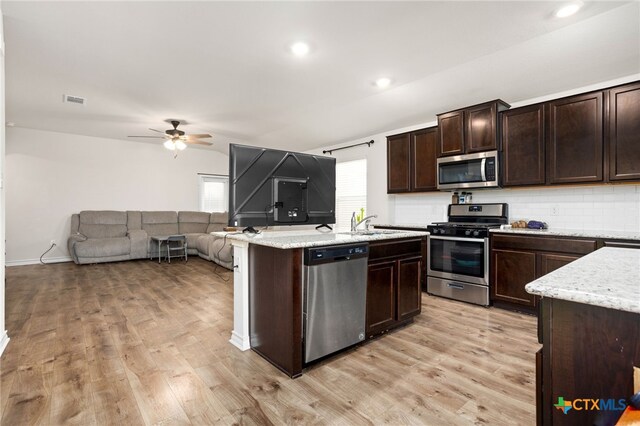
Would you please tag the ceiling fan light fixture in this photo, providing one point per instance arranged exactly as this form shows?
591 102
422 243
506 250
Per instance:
180 145
169 144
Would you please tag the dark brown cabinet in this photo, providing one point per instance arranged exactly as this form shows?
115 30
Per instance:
624 132
451 133
586 350
411 161
472 129
394 283
523 145
516 260
399 163
575 139
424 153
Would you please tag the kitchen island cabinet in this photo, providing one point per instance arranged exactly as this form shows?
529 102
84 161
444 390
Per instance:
274 293
590 332
394 283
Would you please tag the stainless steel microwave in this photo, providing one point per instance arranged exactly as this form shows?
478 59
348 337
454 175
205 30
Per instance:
479 170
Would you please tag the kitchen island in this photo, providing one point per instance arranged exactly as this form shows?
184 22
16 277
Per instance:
268 287
590 331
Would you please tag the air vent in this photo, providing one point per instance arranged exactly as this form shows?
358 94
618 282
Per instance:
74 99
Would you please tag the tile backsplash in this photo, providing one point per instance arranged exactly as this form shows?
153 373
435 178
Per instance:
603 207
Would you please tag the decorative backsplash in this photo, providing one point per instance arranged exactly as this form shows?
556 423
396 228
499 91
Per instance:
603 207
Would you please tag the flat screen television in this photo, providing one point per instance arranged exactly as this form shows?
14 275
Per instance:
272 187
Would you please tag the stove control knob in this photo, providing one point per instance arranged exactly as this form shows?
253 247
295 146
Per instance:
467 232
476 233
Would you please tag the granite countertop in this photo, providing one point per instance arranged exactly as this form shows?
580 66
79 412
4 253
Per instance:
314 238
614 235
608 277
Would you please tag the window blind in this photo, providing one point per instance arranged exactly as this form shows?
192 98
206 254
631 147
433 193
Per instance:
351 190
214 193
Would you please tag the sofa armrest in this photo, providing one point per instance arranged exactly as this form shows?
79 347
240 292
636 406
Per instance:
139 243
71 244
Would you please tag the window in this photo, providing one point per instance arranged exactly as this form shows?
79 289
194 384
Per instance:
214 193
351 190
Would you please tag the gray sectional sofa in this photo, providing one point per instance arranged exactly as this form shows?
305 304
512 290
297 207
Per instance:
108 236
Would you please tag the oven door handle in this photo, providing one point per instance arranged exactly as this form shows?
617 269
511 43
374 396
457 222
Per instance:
471 240
483 173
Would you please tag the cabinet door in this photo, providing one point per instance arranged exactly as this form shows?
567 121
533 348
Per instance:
480 123
381 300
398 163
409 292
575 139
523 146
424 152
550 262
451 133
512 270
624 132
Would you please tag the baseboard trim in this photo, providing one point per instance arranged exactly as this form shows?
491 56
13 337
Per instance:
239 342
23 262
4 341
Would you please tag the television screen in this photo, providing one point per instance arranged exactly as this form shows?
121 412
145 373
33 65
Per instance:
273 187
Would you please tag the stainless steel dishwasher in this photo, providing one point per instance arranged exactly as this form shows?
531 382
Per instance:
334 300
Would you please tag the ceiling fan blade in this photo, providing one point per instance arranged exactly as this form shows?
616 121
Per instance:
153 137
197 142
154 130
198 136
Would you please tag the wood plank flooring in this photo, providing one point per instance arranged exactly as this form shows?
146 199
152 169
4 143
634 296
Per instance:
138 343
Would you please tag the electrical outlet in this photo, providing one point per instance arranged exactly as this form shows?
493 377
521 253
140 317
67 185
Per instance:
52 242
555 210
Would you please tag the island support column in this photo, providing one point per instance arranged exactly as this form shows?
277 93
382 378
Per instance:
240 333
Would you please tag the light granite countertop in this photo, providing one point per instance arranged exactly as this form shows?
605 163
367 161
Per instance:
614 235
608 277
314 238
401 226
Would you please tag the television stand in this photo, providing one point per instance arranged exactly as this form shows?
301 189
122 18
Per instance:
324 225
250 230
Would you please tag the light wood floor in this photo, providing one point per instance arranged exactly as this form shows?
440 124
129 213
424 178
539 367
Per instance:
142 343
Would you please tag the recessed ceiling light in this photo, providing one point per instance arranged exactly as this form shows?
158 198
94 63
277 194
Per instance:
383 82
568 10
300 48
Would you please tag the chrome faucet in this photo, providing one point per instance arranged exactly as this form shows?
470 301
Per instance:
366 220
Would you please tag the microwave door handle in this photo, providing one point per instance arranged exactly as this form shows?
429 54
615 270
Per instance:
483 174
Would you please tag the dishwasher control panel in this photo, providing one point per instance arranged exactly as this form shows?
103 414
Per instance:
335 253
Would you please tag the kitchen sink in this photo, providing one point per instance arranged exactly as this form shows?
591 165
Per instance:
372 232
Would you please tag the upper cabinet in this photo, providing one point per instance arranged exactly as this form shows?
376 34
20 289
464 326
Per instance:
575 139
472 129
411 161
624 132
523 146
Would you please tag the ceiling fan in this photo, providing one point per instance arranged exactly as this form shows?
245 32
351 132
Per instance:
177 140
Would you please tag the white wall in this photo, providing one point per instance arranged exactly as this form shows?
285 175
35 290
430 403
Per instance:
51 175
4 338
602 207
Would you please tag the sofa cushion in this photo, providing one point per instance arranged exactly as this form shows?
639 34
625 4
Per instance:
192 239
160 223
217 222
103 224
193 222
103 247
202 244
134 220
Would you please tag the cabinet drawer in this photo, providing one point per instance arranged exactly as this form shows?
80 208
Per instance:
557 245
394 249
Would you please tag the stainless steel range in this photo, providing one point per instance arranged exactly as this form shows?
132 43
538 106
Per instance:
458 256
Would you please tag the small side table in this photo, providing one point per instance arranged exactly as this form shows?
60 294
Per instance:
159 240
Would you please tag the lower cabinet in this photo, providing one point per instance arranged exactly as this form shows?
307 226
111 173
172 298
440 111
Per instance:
394 284
516 260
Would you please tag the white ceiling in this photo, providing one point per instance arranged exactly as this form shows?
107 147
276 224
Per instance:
225 68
